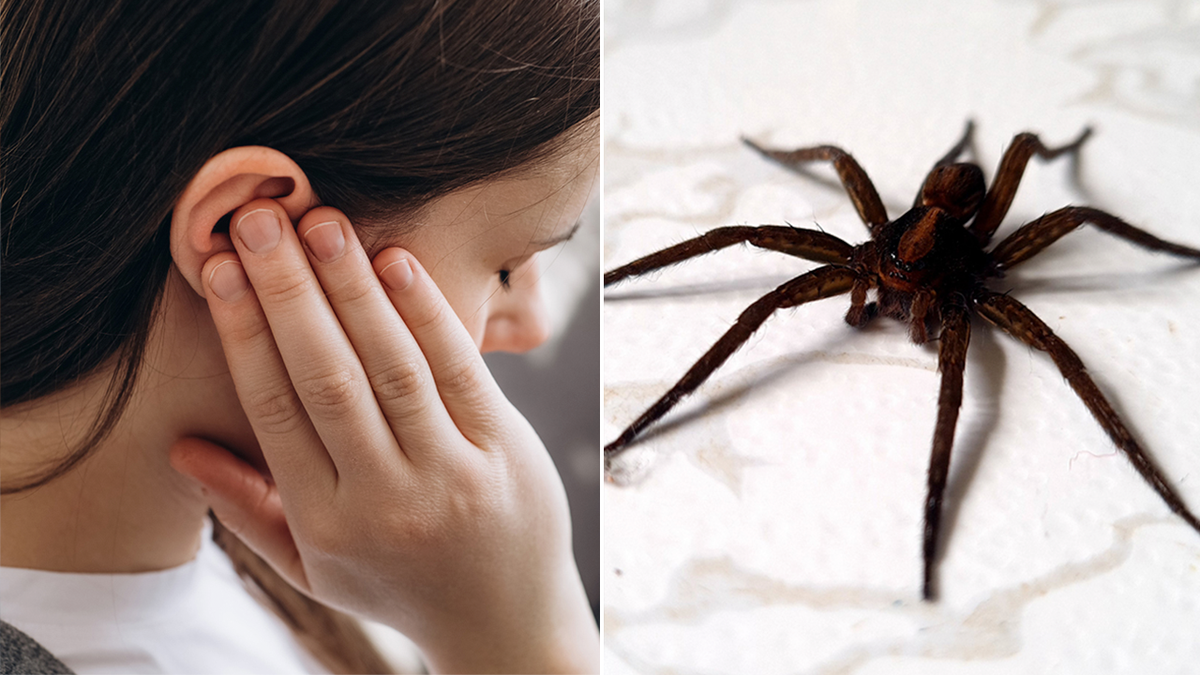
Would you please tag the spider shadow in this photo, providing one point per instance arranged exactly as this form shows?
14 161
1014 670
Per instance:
780 369
1022 282
1075 178
828 180
761 284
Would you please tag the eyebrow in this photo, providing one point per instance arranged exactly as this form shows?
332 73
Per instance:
542 244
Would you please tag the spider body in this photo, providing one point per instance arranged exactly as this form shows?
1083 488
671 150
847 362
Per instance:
928 268
918 262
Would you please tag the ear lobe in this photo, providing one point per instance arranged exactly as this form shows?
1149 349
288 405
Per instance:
226 182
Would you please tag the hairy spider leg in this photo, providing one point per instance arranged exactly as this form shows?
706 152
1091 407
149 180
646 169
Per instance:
951 155
823 282
858 185
1012 166
1033 237
952 360
808 244
1018 321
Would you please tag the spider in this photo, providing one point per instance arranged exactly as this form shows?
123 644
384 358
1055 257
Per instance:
928 268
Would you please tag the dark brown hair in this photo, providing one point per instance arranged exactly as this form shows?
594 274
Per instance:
110 108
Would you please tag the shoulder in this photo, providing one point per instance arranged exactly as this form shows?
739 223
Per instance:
20 653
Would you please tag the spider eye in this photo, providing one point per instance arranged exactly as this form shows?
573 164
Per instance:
903 265
504 279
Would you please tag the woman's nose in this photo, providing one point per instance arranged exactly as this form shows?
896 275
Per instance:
517 320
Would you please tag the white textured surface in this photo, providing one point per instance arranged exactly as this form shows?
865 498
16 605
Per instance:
772 524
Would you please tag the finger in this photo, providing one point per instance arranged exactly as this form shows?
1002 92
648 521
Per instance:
289 442
245 501
324 369
395 367
465 385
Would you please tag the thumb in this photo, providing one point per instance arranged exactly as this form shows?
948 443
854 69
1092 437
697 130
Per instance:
246 502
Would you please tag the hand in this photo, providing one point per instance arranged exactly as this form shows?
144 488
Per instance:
404 487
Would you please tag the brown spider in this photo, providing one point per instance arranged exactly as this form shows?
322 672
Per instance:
929 268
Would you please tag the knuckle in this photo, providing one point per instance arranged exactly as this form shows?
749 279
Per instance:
465 502
350 293
399 382
461 377
423 318
247 332
329 393
275 410
285 289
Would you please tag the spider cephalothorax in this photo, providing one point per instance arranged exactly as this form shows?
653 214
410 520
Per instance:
928 268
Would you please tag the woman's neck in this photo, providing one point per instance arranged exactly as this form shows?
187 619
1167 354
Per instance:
122 509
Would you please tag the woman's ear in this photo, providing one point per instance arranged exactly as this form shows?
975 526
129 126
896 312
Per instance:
199 226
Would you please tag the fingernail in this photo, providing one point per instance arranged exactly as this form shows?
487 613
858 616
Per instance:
259 230
398 275
325 241
228 280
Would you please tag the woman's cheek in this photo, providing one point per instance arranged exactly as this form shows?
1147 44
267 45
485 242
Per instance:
472 310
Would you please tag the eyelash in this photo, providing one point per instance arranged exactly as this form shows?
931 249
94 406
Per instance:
504 279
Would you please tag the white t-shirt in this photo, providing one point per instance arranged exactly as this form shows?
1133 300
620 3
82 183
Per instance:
195 618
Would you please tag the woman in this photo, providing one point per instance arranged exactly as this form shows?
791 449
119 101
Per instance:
262 243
